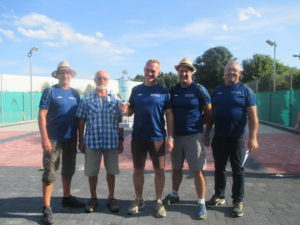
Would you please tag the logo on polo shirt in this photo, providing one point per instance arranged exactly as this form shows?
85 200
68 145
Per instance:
155 95
139 94
73 98
236 92
59 96
189 95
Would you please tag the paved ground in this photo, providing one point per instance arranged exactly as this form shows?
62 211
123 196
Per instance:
272 185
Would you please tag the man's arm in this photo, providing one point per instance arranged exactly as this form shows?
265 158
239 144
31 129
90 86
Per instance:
81 126
207 120
253 128
46 143
170 129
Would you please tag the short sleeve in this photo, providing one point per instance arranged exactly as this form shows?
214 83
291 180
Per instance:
82 109
45 101
205 97
251 100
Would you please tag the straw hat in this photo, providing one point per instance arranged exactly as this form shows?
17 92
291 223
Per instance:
64 65
186 62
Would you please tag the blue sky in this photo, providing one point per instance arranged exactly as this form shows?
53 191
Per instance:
117 35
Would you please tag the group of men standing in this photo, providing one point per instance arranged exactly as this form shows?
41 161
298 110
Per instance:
183 110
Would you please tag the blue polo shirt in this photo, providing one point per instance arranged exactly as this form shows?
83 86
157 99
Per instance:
149 104
61 105
187 106
230 109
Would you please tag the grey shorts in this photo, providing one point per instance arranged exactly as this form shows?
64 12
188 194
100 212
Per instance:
191 148
51 160
93 160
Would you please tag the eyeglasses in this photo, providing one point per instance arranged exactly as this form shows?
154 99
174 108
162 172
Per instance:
234 70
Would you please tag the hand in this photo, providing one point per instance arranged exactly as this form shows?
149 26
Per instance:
81 147
170 145
124 108
252 144
206 140
46 145
296 126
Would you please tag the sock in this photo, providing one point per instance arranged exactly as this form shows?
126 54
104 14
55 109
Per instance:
174 193
201 201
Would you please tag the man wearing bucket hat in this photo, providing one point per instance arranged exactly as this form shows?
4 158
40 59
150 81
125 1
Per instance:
191 106
58 128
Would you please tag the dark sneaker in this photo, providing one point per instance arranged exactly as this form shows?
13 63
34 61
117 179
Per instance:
72 202
159 209
136 206
170 199
47 217
202 211
238 209
92 205
113 205
215 201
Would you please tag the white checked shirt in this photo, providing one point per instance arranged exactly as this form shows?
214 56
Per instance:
102 124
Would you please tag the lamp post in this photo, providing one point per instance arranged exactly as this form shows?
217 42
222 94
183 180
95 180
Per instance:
31 51
273 43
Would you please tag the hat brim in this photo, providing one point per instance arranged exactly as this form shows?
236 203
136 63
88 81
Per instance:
54 73
186 65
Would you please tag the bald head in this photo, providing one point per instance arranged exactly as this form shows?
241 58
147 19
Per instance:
232 73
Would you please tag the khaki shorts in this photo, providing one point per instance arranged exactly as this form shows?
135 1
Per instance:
93 160
191 148
51 160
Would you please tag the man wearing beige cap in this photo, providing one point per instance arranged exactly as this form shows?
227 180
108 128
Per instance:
58 128
191 107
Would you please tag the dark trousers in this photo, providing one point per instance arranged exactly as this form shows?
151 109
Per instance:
232 148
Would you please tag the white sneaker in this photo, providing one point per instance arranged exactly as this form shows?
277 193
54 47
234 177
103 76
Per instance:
159 209
136 206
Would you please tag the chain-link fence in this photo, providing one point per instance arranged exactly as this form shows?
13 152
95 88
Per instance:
287 81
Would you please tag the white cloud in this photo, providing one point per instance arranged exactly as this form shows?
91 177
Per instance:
58 34
246 13
8 33
225 27
99 34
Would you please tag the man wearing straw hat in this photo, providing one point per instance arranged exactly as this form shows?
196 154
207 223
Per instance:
58 128
191 106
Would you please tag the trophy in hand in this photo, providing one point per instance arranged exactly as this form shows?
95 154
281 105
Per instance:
124 92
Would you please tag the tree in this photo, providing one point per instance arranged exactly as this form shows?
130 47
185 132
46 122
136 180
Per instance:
165 79
260 66
45 85
210 66
89 88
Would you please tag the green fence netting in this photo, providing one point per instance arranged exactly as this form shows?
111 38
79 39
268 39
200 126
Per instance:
15 106
280 107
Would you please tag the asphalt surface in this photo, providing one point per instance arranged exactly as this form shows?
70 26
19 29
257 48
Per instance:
272 186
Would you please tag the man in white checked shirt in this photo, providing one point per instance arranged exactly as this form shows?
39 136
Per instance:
99 112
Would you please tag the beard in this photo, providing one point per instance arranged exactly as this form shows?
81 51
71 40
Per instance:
101 87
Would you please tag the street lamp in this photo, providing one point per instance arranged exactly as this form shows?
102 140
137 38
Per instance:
31 51
298 56
273 43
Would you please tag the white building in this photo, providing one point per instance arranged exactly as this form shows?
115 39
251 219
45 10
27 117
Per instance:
21 83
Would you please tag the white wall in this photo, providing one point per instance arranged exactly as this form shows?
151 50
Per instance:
11 82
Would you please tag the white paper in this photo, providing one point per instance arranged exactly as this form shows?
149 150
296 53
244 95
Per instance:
245 157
